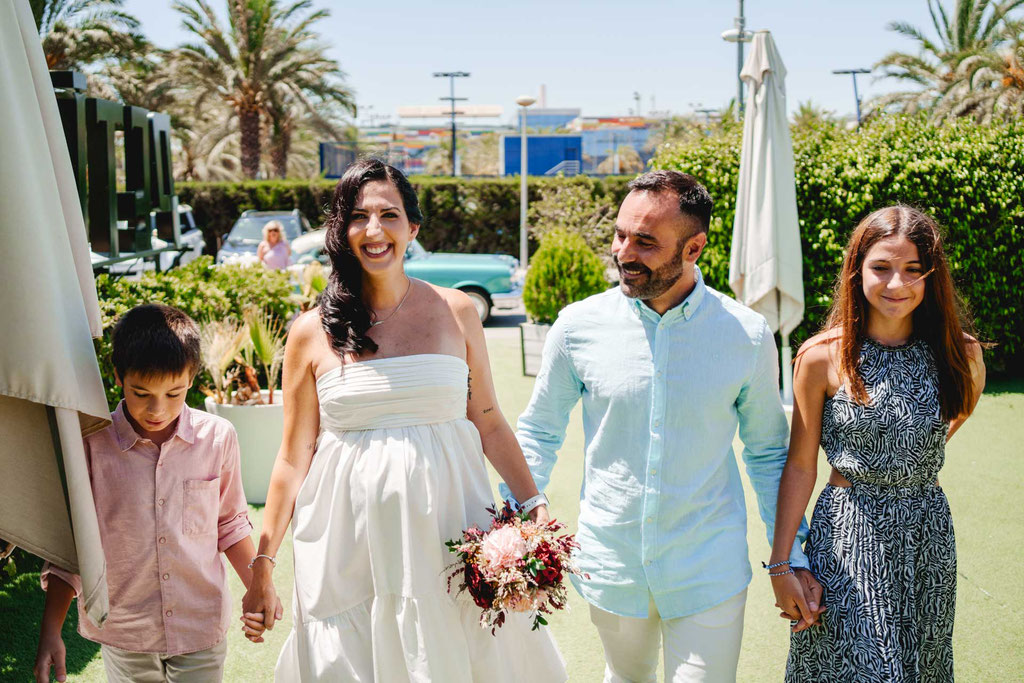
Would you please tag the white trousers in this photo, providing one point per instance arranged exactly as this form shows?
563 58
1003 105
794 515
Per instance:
700 648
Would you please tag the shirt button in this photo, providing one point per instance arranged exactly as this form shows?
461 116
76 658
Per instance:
166 576
657 423
647 563
168 613
649 520
654 471
160 502
659 373
162 540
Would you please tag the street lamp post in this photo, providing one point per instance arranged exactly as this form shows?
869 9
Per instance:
856 96
451 76
739 35
523 101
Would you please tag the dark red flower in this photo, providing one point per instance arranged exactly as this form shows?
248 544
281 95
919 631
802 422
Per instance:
549 576
482 592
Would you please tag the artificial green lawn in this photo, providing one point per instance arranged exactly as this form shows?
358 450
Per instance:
983 479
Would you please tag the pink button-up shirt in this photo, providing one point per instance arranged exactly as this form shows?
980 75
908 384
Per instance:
165 515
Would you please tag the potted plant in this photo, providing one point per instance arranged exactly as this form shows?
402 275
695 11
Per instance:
232 352
563 270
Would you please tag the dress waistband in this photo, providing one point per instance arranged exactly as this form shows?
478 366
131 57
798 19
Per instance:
890 490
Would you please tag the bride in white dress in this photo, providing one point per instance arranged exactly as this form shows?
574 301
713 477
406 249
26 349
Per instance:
390 410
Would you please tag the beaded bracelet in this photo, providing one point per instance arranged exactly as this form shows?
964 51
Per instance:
770 567
788 571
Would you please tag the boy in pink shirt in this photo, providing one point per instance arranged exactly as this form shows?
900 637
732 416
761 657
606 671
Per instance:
169 500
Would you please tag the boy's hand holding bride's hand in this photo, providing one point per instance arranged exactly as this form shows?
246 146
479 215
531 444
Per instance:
540 514
261 607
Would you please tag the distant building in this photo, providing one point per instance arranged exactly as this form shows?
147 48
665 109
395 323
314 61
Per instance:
606 137
541 119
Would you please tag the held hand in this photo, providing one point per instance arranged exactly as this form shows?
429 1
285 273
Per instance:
813 593
789 597
260 606
540 515
50 653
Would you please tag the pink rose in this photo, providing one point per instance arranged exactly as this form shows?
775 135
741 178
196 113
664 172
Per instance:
503 547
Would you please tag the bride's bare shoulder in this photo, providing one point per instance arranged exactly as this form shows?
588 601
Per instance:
306 326
457 301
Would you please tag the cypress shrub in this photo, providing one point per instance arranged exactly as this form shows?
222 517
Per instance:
562 271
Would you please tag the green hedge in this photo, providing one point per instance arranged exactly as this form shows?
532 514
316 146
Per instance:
969 177
462 214
198 289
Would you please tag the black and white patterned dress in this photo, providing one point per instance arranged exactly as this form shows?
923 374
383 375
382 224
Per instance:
883 549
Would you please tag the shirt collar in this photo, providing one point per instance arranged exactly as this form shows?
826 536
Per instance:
127 437
684 310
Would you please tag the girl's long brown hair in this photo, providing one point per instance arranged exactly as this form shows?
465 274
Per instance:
940 319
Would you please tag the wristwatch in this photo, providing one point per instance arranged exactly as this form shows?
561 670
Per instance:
530 503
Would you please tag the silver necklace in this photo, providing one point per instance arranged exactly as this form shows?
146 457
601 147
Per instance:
392 315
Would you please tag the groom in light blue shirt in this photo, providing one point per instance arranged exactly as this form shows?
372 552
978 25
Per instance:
667 369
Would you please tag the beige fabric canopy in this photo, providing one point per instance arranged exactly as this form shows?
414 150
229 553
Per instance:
51 392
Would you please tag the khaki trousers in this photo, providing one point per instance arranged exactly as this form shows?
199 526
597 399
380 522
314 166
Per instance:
700 648
205 666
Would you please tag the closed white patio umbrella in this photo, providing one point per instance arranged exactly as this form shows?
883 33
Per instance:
766 264
51 392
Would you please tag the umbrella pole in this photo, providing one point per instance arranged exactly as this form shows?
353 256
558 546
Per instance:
787 371
787 355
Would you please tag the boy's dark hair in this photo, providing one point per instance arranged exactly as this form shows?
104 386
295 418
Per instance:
154 339
694 199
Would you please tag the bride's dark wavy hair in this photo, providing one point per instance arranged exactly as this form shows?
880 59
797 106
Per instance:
343 313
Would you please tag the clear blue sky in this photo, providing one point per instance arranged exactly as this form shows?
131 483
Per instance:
590 54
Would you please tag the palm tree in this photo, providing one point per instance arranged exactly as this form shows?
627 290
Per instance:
77 33
262 56
993 81
973 33
809 114
312 97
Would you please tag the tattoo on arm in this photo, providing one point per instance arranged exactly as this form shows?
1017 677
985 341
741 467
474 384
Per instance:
469 386
488 410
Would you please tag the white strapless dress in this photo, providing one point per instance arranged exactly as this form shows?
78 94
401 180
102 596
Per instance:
398 470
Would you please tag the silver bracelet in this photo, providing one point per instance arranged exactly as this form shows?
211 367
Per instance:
530 503
273 560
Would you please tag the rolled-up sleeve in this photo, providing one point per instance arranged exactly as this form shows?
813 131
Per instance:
557 389
765 435
233 523
70 578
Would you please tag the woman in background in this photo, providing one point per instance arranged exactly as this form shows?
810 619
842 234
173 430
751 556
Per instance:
274 251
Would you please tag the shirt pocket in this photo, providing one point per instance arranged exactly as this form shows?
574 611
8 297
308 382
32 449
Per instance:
202 503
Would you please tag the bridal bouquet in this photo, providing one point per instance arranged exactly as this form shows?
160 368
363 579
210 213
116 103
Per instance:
515 566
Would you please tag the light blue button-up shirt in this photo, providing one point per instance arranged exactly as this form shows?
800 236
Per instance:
662 513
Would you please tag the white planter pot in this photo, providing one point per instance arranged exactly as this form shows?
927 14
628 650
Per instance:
259 437
532 336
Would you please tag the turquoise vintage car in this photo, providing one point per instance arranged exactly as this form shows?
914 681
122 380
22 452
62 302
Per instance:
490 280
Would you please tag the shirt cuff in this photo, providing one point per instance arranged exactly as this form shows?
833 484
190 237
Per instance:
73 580
797 558
238 529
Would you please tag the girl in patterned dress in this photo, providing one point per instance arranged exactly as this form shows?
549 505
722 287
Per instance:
882 388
